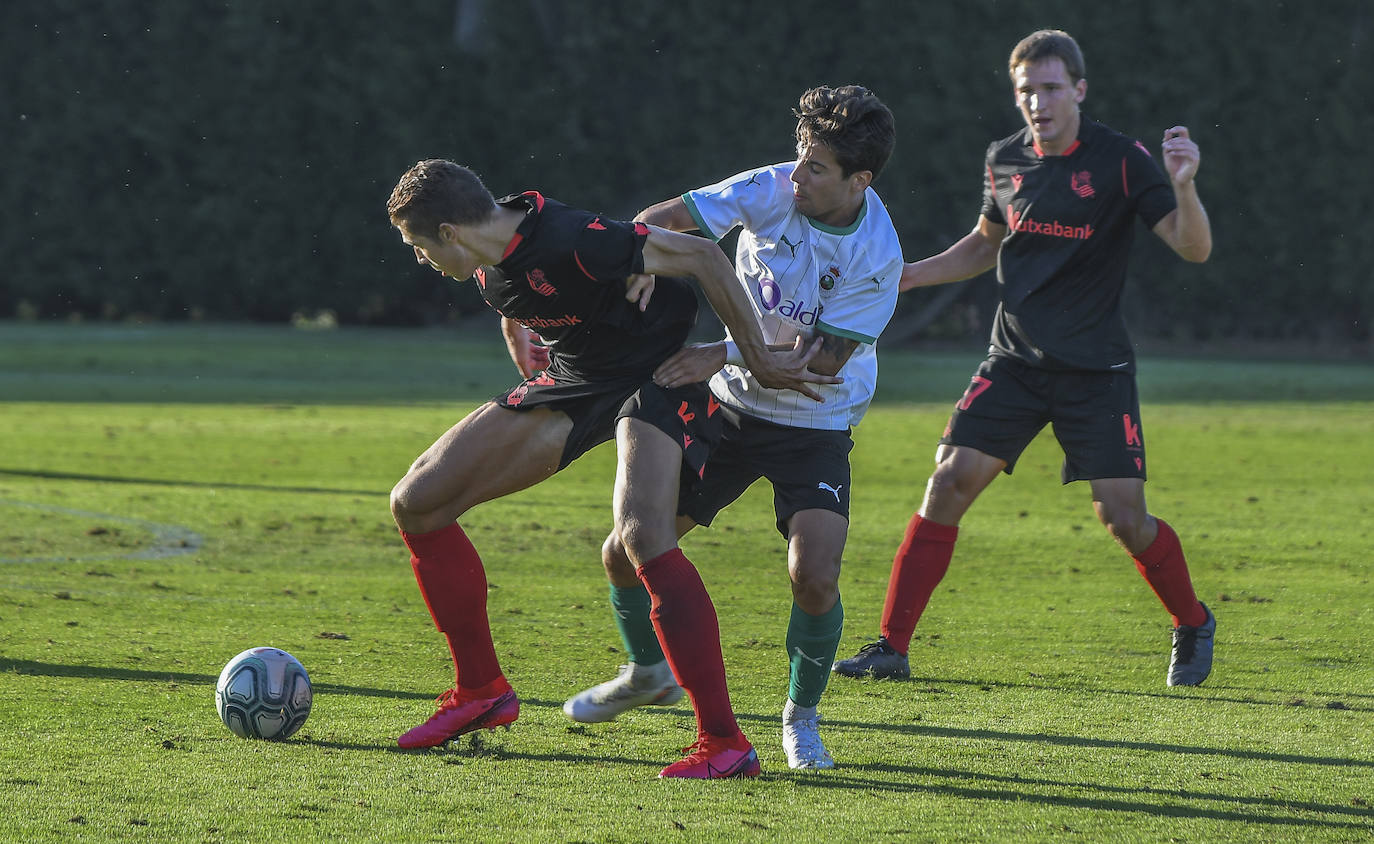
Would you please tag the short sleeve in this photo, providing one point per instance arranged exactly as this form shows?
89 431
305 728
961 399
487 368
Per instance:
750 199
991 209
1145 183
610 250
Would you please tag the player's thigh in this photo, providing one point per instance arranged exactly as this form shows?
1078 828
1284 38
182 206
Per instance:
1097 423
809 470
492 452
1004 407
727 474
649 463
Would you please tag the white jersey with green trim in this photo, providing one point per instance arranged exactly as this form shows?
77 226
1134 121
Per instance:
803 276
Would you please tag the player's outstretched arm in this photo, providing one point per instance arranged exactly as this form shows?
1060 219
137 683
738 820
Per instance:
1186 229
672 253
971 255
670 214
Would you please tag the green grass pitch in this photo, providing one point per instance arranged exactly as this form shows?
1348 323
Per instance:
170 496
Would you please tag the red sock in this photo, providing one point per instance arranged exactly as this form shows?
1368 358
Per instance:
920 564
454 586
1163 567
687 628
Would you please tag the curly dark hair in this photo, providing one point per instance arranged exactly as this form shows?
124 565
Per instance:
436 191
852 122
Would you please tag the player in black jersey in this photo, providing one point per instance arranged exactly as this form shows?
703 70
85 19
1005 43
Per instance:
560 272
1060 200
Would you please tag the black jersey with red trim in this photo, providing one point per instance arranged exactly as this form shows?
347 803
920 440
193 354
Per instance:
563 277
1070 223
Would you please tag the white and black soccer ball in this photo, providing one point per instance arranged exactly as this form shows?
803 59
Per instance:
263 693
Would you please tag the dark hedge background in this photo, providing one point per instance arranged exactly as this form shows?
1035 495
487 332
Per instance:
231 160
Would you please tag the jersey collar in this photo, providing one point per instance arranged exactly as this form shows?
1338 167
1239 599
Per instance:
1086 129
849 229
533 201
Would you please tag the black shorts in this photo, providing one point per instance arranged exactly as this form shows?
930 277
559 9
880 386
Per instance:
809 469
687 414
1095 416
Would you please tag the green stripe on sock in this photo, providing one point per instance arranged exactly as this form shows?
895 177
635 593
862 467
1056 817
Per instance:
811 644
631 607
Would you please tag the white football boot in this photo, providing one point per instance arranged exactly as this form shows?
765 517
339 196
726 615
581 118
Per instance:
636 685
801 738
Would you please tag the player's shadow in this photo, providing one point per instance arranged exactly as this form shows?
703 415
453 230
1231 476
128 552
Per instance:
101 672
878 777
1275 813
1214 692
173 482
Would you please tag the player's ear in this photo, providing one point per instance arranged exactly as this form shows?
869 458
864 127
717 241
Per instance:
860 180
448 234
1081 90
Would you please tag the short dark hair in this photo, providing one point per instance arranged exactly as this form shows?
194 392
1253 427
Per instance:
1048 44
436 191
852 122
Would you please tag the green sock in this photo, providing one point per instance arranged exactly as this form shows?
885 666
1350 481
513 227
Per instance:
631 606
811 644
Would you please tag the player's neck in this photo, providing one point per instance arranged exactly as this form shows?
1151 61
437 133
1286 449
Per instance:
844 216
1066 139
489 240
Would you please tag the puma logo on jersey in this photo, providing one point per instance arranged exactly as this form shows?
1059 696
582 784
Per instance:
753 180
833 490
596 225
790 245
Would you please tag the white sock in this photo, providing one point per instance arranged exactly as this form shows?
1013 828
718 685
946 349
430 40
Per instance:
644 676
792 712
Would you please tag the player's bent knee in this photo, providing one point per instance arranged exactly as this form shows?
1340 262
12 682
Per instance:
952 490
1126 526
616 560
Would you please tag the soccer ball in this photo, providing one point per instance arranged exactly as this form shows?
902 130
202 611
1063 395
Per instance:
263 693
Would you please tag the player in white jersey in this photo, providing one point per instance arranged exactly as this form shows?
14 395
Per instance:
803 277
819 258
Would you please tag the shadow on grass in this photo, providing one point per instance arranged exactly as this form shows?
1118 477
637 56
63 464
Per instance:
910 779
914 779
114 479
1212 693
98 672
885 778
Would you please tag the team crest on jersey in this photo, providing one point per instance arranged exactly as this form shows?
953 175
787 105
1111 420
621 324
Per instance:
830 277
1082 184
538 283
